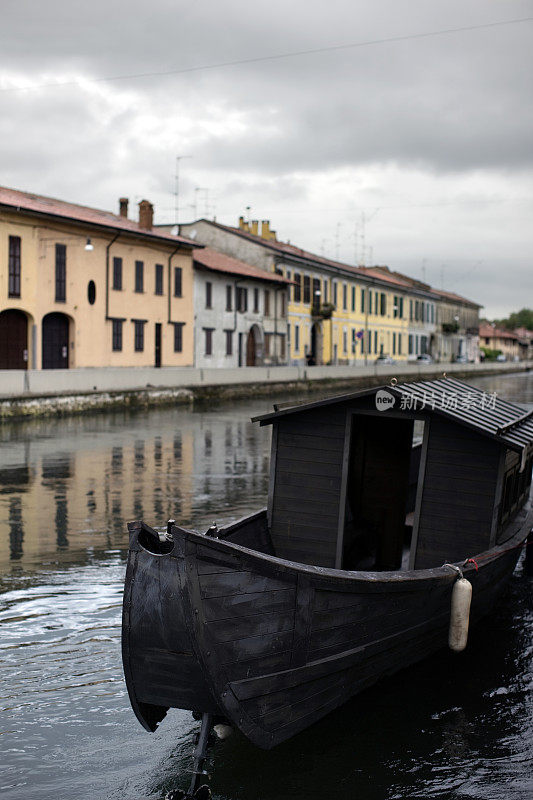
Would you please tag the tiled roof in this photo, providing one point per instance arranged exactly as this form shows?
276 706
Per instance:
497 333
211 259
26 201
287 249
456 298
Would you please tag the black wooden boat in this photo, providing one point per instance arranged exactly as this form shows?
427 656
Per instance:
274 621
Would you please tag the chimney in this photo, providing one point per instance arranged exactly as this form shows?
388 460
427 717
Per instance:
146 215
255 227
123 206
241 223
265 229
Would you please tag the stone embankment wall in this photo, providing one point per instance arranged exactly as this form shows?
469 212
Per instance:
47 392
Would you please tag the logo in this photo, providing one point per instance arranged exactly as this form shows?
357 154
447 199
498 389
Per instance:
384 400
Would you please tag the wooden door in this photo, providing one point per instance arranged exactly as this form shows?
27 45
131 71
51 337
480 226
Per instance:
13 340
55 341
250 349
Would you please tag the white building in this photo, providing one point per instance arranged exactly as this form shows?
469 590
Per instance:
240 313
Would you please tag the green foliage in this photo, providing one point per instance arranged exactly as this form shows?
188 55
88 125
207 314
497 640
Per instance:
518 319
490 355
450 327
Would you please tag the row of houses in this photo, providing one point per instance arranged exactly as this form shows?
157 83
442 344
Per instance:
514 345
81 287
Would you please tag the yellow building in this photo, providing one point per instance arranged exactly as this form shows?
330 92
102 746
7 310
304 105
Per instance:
81 287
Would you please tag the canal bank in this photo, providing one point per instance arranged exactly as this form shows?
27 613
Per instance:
35 393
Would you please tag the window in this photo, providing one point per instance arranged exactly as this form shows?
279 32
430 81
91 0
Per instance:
61 273
14 266
362 300
256 301
296 338
178 336
334 293
411 310
208 294
354 340
139 335
394 344
399 344
267 303
369 342
297 288
325 295
353 298
268 341
383 304
177 281
410 344
208 341
117 273
282 347
376 301
375 340
400 314
242 299
283 305
229 297
139 276
229 343
344 341
344 299
117 334
307 289
159 279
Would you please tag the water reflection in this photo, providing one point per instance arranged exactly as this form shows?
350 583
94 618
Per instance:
83 479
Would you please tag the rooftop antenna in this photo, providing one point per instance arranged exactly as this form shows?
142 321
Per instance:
177 189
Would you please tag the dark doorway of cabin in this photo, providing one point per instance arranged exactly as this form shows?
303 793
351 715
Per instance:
377 492
55 341
158 344
13 340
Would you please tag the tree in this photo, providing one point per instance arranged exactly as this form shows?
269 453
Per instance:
518 319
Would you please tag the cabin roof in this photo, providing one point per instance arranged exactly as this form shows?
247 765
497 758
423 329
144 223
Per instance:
466 405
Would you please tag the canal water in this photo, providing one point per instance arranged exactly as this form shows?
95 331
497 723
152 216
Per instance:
450 727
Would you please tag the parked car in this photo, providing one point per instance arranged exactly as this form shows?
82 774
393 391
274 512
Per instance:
384 360
424 358
501 357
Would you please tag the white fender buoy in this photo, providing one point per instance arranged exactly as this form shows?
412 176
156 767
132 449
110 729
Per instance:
460 614
223 731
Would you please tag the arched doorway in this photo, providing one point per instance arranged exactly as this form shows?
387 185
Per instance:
55 341
13 340
254 347
251 348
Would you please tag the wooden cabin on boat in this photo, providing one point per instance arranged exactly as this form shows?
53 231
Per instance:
349 487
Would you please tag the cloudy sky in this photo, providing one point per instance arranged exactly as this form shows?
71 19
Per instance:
404 149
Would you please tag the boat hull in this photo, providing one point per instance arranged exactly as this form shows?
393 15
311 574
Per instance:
271 645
